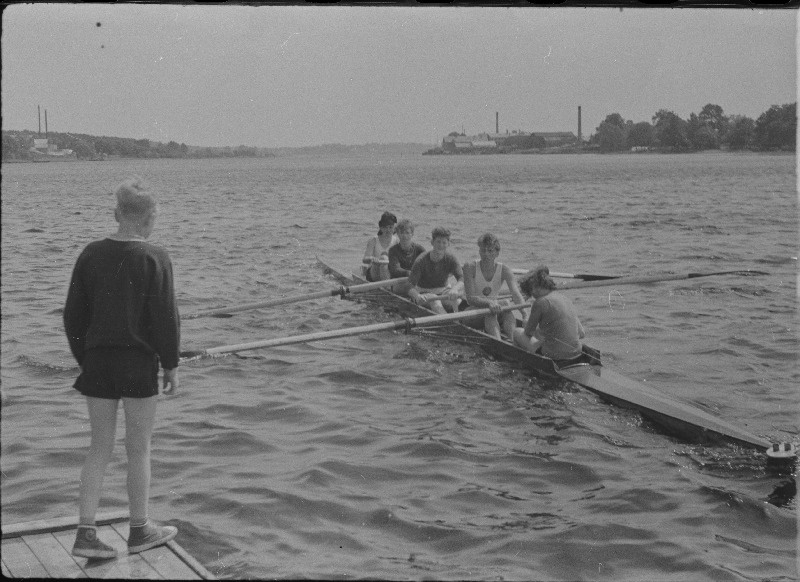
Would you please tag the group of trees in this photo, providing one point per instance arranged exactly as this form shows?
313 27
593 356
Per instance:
775 129
17 144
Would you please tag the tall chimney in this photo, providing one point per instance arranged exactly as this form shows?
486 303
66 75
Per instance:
39 112
580 140
497 122
45 122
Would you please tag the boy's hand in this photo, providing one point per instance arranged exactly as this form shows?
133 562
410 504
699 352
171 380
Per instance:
170 381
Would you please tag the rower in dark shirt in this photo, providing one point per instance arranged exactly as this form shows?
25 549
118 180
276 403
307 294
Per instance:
430 273
403 254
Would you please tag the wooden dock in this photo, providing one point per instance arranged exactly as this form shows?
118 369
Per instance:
42 549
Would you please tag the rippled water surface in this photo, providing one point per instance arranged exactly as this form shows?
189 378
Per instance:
404 457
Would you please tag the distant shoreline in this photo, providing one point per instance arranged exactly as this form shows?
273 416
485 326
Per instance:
414 153
596 151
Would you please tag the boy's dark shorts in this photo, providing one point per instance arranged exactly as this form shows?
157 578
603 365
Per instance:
115 373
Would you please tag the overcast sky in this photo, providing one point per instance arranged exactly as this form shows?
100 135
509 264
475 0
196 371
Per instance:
292 76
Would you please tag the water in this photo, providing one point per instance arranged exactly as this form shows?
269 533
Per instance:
402 457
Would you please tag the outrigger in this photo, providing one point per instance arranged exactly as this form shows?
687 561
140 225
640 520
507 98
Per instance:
680 419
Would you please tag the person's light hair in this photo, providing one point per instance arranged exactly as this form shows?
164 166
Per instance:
133 200
405 225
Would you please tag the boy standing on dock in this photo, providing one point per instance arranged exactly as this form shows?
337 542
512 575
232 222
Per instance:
121 321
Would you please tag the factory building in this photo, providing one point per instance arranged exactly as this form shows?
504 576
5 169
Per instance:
510 141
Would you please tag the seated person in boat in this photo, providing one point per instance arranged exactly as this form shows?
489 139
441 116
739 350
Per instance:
376 255
403 254
430 273
482 281
552 329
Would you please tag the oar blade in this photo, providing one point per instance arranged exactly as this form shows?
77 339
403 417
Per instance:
655 278
741 272
585 277
580 276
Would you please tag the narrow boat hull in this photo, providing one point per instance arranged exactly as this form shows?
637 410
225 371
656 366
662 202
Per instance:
679 419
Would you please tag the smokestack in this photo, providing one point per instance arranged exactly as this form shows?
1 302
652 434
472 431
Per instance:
580 140
39 112
497 122
45 122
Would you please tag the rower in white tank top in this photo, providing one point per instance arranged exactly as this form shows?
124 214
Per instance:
488 289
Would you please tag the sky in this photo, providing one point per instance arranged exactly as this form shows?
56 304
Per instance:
291 76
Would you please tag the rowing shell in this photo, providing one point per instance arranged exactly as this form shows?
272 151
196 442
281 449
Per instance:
689 422
677 418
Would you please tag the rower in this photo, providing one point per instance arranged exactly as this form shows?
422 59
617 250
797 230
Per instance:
403 254
430 272
376 255
482 281
552 329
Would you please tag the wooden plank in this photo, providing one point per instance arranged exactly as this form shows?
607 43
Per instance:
58 524
135 567
191 561
168 564
29 550
57 560
95 568
21 561
125 566
162 558
130 565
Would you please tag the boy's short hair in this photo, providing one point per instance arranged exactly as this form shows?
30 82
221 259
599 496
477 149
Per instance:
440 232
489 241
132 198
405 225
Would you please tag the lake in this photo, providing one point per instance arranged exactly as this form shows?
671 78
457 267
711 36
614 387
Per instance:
398 456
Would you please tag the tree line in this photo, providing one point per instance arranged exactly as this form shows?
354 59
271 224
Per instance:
17 144
775 129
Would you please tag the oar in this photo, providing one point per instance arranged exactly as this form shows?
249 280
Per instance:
343 290
570 275
336 333
653 278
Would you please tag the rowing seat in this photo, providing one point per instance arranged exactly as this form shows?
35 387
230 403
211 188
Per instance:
590 356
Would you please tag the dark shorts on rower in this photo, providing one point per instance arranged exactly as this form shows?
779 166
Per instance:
565 361
115 373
